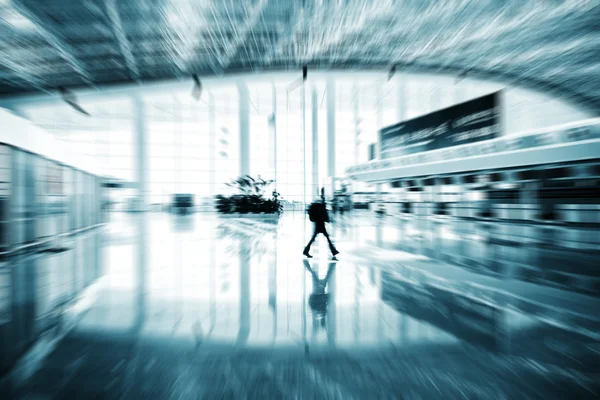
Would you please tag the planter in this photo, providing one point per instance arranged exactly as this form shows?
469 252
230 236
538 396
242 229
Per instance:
263 216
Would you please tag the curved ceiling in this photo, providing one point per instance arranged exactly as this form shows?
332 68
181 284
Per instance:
549 45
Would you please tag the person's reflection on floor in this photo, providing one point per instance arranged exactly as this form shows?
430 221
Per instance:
319 298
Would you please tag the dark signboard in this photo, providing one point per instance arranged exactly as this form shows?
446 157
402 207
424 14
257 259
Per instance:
468 122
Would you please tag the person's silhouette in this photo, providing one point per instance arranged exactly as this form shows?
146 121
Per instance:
318 215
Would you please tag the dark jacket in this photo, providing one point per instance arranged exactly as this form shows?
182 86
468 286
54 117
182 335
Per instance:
318 213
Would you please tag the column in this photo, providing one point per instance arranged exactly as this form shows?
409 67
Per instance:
356 314
244 99
177 141
212 278
273 286
212 132
274 130
141 153
401 100
401 106
331 127
303 100
332 308
244 329
355 106
304 300
379 122
315 143
141 275
141 163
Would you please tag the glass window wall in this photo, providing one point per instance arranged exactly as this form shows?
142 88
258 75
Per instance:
193 146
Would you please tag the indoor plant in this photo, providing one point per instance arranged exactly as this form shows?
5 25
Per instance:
249 198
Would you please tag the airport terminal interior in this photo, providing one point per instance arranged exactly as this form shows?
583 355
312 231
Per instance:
316 199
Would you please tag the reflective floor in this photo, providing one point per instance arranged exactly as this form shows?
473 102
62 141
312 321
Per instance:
206 307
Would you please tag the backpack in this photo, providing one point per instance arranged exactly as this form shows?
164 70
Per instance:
312 212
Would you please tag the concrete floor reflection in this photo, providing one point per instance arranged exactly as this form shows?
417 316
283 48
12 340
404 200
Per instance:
203 307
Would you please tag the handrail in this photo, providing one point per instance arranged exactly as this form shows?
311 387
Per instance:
38 243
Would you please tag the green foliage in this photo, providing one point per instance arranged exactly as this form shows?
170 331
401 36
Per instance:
250 197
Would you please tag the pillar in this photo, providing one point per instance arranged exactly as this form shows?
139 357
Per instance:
303 100
401 100
355 105
141 170
331 127
141 276
178 142
244 117
332 308
274 130
379 122
212 132
315 143
141 153
244 263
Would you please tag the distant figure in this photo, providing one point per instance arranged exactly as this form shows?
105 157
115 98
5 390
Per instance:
317 212
341 204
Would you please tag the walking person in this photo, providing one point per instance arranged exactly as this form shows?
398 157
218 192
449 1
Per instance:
317 212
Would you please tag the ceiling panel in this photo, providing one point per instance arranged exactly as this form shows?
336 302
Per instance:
548 45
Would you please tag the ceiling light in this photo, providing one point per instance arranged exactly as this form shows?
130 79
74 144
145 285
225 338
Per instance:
391 72
70 99
197 89
300 81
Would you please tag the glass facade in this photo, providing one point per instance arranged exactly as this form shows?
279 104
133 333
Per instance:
45 207
44 199
194 147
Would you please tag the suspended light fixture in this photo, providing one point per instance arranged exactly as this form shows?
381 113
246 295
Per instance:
391 72
197 89
69 98
299 82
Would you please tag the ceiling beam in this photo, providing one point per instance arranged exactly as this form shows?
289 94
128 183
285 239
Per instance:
121 36
55 40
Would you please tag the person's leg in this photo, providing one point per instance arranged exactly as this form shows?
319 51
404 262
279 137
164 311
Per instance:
331 246
310 242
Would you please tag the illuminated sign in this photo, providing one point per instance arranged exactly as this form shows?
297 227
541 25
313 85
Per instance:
468 122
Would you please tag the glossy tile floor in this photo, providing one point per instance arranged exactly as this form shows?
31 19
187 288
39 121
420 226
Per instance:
202 307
